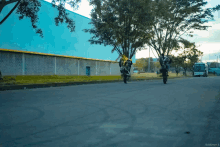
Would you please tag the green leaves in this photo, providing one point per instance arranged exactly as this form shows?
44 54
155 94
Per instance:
123 24
188 57
174 18
30 8
142 64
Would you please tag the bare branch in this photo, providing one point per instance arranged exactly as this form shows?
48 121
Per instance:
10 12
3 3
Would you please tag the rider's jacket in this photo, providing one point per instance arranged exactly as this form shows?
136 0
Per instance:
129 62
124 63
166 60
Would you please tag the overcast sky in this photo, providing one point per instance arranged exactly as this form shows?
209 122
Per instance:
208 41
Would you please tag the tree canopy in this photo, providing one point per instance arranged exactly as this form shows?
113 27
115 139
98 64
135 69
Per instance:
30 8
123 24
176 62
187 58
143 63
128 25
175 18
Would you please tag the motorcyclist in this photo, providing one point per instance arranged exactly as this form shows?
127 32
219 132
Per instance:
125 61
167 61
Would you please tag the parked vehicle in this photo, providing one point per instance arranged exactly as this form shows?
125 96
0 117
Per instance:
210 70
214 71
200 69
125 67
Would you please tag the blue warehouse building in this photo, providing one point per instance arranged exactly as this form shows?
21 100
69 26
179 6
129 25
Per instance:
61 52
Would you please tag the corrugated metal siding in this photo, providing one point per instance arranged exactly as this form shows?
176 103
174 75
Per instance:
103 69
66 66
39 65
115 69
10 63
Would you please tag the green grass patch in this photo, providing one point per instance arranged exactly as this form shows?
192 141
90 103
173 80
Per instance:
42 79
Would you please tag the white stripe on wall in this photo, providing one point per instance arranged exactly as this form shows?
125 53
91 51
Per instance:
55 66
78 66
96 67
110 68
23 64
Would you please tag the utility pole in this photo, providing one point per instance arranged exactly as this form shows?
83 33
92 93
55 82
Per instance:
149 61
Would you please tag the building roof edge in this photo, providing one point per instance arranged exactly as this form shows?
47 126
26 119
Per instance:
47 54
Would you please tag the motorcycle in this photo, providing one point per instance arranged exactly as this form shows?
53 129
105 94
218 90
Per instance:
165 61
164 73
125 74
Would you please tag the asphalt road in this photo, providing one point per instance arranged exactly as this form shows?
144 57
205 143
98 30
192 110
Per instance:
181 113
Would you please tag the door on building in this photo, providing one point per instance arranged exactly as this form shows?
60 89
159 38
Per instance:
87 70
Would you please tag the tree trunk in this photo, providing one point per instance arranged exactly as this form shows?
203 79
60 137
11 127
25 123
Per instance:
185 72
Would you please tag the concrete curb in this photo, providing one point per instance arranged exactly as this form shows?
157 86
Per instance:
30 86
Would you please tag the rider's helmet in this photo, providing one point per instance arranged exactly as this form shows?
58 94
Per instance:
124 58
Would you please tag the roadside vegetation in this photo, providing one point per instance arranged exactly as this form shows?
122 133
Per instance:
32 79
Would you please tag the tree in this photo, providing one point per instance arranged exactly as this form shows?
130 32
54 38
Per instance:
30 8
141 64
188 57
176 62
151 63
193 55
123 24
175 18
157 64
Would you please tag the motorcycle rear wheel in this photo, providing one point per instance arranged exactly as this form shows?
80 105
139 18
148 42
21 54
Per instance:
164 79
125 78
